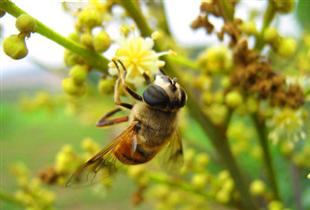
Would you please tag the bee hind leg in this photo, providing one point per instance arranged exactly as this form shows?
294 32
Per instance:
105 121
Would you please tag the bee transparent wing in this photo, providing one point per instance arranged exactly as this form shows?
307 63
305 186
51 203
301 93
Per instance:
172 157
104 160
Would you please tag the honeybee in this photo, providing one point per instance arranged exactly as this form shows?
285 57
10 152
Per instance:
152 125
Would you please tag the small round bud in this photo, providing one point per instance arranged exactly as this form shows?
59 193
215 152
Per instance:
106 86
308 176
25 23
199 180
275 205
78 73
72 88
15 46
101 42
233 99
202 160
249 28
2 12
74 36
287 47
270 35
90 18
222 196
257 187
87 40
283 6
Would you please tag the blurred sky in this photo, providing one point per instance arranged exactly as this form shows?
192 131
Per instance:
180 14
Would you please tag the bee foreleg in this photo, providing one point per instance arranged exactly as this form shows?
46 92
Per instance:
122 77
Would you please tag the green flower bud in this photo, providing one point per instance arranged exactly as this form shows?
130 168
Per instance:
78 73
15 46
308 176
101 42
283 6
257 187
249 28
87 40
233 99
25 23
275 205
286 47
72 88
90 17
74 36
72 59
202 160
2 12
106 86
199 180
270 35
222 196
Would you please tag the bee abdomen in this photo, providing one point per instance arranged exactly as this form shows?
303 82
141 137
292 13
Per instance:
129 157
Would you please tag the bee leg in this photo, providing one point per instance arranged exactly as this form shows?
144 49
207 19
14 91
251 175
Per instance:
117 98
103 122
131 92
146 78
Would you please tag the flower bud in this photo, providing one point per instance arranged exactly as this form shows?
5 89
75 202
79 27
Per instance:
286 47
275 205
257 187
78 73
270 35
106 86
101 42
233 99
199 180
15 46
249 28
87 40
308 176
25 23
90 18
72 88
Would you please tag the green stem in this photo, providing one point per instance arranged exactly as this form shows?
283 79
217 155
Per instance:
268 17
217 135
228 10
177 59
94 59
263 141
186 187
6 197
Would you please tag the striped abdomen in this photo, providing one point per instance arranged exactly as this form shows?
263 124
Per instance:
126 154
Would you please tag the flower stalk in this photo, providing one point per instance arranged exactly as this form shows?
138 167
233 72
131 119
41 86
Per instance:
264 144
268 17
94 59
216 134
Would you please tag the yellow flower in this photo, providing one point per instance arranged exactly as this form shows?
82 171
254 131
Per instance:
287 124
138 56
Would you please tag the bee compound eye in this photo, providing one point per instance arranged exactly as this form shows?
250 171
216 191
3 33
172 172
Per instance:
156 96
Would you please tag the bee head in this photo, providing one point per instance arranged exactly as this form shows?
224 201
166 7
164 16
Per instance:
165 93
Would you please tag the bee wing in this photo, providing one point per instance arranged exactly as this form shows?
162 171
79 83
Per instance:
172 159
104 159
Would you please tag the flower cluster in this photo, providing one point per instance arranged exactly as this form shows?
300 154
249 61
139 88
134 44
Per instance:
31 193
15 45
